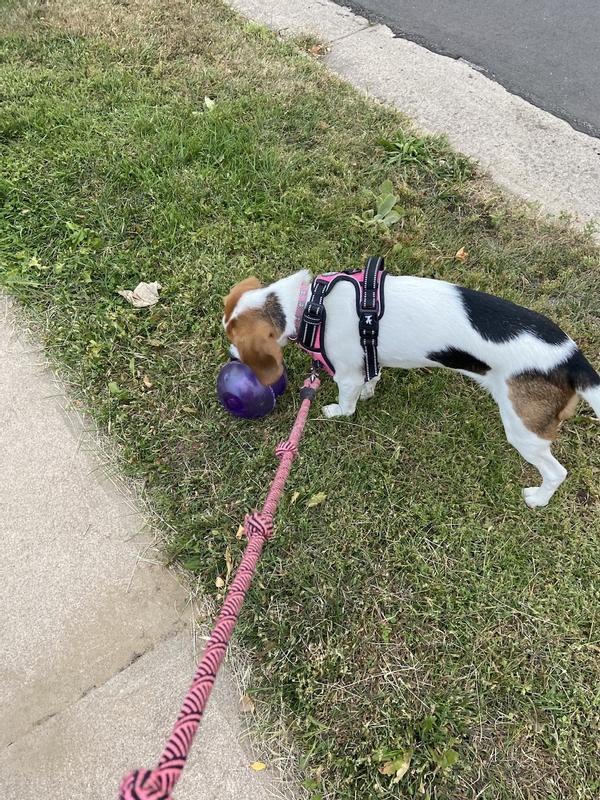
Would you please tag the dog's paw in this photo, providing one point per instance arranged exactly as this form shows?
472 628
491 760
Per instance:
534 497
332 410
367 392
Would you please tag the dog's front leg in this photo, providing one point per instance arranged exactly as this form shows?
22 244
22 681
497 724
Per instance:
349 389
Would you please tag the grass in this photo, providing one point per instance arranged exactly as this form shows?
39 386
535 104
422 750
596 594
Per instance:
421 619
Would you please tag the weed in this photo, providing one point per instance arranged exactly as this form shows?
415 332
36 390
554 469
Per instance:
387 212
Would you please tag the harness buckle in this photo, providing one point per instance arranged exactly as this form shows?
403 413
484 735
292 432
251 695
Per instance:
313 313
368 324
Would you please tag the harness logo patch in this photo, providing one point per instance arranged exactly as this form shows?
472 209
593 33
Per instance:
369 319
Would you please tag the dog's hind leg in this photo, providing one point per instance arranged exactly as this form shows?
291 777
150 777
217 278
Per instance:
368 388
531 416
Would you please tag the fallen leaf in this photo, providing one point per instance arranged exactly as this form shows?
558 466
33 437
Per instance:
144 294
219 583
258 766
247 704
398 767
323 125
228 562
316 499
295 496
188 409
462 254
147 382
317 49
240 532
209 104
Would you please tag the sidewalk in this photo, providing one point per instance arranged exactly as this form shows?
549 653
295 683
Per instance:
97 640
527 151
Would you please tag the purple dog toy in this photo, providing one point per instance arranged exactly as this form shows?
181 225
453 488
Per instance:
243 395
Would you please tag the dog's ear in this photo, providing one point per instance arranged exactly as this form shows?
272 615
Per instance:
256 341
234 295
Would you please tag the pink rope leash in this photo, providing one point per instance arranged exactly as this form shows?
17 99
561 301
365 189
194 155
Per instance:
157 784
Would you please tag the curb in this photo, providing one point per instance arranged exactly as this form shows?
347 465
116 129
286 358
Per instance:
527 151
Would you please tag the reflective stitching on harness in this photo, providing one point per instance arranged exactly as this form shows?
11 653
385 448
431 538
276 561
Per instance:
368 284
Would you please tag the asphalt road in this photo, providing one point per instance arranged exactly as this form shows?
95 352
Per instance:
546 51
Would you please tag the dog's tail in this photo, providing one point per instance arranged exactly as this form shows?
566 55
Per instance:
592 396
585 380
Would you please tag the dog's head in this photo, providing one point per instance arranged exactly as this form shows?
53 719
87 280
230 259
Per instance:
252 331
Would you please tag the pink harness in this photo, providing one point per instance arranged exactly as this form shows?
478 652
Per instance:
368 284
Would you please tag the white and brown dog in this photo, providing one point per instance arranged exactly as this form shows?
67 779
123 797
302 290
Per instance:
533 370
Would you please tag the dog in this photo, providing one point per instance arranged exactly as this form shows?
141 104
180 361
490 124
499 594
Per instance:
532 369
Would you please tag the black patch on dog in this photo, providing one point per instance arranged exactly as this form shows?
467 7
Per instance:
498 320
583 376
576 373
275 312
453 358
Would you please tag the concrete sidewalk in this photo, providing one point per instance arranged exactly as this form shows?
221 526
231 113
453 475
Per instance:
526 150
97 640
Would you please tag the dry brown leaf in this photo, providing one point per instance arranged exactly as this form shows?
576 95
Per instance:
317 50
247 704
239 534
258 766
398 767
228 562
462 254
316 499
219 583
147 382
144 294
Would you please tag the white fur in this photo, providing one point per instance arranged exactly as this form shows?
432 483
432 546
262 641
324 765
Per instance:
287 291
423 316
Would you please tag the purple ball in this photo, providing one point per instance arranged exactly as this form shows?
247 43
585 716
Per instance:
242 394
280 384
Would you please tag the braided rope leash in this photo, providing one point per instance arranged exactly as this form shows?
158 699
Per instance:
157 784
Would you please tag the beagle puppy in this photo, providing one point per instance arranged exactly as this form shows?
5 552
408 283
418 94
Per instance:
532 369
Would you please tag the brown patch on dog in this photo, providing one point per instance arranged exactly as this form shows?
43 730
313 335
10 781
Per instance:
232 299
542 403
256 340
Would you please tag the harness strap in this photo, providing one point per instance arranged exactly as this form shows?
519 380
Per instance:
368 285
369 314
314 314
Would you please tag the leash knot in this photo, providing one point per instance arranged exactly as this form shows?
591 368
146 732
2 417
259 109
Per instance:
257 524
286 447
143 784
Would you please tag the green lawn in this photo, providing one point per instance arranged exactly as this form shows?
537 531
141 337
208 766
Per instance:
422 610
